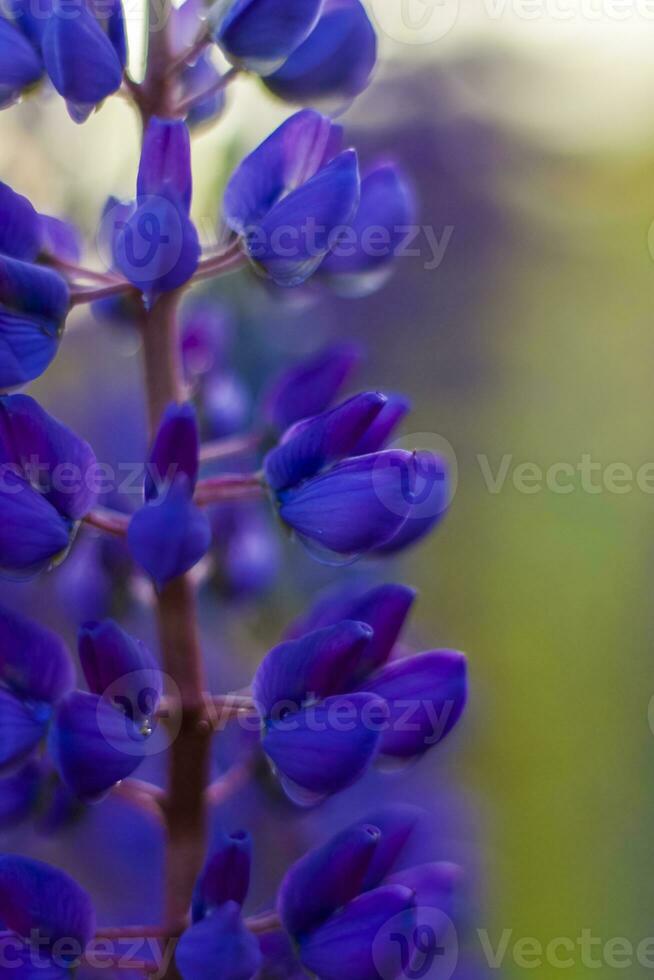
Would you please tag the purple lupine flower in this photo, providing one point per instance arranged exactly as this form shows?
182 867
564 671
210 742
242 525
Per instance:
218 943
35 673
154 241
49 914
84 52
423 694
291 196
46 486
169 534
310 387
260 34
336 60
99 738
337 900
34 300
296 690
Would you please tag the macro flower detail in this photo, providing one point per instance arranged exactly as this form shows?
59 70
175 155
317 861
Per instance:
218 942
233 459
289 199
84 52
100 737
335 62
34 300
80 46
155 244
373 499
47 486
169 534
260 34
398 708
336 900
49 916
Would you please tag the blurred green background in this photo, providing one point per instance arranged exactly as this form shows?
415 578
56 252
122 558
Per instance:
533 139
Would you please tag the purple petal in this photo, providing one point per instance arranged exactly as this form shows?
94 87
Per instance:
347 945
426 695
227 405
334 62
377 435
19 222
386 212
354 507
79 57
176 449
329 746
35 897
34 302
34 661
326 879
219 946
311 444
290 156
22 726
33 535
318 665
396 823
121 667
434 885
225 877
260 34
93 745
20 65
18 796
166 161
292 239
170 535
60 239
308 388
384 608
51 455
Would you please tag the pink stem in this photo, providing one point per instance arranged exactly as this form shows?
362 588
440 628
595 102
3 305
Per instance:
234 446
109 521
221 83
217 489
